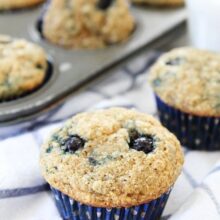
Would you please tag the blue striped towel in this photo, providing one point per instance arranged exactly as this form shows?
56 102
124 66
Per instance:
24 195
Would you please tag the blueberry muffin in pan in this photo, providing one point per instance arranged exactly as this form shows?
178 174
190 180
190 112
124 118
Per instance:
187 86
160 2
87 23
23 67
18 4
111 163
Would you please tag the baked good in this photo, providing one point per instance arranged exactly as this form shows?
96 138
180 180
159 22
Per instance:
188 80
23 67
112 158
87 24
17 4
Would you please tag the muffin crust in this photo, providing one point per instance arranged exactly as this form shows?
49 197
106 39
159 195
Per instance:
23 67
106 172
189 80
16 4
82 24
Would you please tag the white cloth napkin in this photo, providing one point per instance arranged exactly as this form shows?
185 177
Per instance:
24 195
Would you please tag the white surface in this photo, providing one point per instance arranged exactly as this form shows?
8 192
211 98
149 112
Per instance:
204 23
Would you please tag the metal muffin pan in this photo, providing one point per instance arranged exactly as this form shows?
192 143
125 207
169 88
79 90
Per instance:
72 68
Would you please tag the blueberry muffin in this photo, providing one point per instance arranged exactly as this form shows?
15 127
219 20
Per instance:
16 4
87 24
23 67
187 86
160 2
113 162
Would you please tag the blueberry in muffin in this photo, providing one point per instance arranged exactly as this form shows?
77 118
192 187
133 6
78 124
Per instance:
186 82
23 67
111 159
87 24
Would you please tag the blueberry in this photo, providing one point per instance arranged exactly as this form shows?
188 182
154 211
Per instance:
39 66
157 82
49 149
93 161
104 4
73 144
144 143
141 142
175 62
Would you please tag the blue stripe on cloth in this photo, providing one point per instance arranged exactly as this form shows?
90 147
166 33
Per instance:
32 127
125 106
134 75
212 196
216 169
189 177
104 95
150 61
37 138
8 193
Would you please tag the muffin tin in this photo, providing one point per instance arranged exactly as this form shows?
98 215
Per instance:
72 68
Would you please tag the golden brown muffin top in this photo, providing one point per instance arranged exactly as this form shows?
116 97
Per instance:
112 158
16 4
87 23
23 67
189 80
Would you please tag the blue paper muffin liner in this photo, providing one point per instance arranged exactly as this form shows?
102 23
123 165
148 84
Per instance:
194 132
70 209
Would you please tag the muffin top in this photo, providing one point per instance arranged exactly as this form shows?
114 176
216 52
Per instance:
23 67
15 4
189 80
112 158
87 23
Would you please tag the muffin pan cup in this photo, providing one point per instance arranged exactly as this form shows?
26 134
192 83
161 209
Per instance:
47 77
74 68
70 209
194 132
